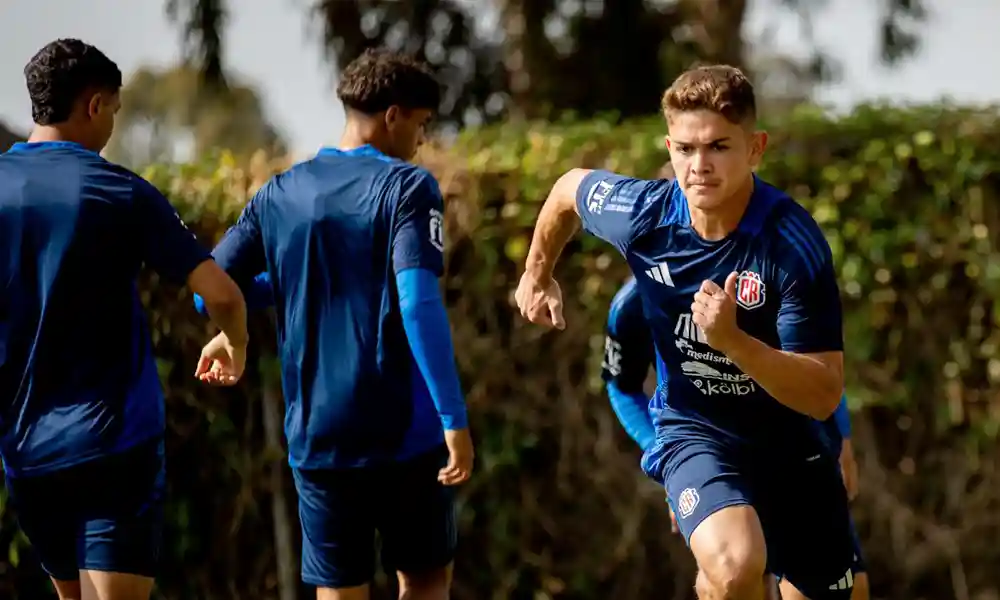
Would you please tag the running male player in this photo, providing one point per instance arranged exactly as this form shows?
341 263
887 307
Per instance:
742 275
628 355
81 407
352 244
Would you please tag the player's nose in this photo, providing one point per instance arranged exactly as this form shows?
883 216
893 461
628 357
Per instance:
700 163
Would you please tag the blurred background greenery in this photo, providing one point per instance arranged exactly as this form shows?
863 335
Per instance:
908 198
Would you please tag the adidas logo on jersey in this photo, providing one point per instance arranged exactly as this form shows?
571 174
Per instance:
660 274
846 582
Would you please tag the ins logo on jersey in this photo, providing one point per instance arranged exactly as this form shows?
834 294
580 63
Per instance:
437 229
749 290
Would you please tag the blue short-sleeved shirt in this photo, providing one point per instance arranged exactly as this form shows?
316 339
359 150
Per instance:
331 233
77 375
787 295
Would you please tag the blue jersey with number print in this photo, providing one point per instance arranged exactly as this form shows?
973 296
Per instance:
787 297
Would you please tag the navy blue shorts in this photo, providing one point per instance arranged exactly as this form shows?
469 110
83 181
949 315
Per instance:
802 506
341 510
102 515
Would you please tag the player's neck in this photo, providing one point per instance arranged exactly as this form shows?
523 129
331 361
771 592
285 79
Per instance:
718 222
50 133
358 133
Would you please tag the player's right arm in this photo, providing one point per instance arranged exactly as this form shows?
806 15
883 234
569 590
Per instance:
172 251
418 262
615 208
628 354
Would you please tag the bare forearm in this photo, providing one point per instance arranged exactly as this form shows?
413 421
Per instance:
801 382
231 317
557 222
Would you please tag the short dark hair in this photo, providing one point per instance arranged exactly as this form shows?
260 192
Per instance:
719 88
58 74
380 78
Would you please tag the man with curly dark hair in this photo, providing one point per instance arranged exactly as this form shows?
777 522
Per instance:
349 247
81 407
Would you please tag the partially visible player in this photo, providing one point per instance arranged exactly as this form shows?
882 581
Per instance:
742 275
628 356
81 407
348 247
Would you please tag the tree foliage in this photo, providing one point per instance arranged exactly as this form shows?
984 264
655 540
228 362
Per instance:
543 58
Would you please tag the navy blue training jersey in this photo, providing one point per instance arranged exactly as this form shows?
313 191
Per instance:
787 297
331 233
629 352
77 375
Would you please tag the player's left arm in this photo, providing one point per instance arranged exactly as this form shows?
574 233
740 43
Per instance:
418 262
807 372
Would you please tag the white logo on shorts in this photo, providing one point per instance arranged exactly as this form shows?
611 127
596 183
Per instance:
687 502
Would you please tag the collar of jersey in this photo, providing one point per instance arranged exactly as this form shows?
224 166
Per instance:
366 150
31 146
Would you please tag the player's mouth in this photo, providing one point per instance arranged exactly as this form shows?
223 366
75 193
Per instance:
704 185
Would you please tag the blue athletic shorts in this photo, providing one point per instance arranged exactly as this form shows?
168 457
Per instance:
102 515
341 510
802 506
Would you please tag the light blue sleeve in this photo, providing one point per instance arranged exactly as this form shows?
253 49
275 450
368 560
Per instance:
429 335
259 296
632 410
843 418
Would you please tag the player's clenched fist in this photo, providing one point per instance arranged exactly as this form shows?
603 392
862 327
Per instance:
714 311
540 303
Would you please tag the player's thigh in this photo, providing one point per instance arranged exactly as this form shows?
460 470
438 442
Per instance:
806 519
121 536
715 513
336 513
47 509
417 519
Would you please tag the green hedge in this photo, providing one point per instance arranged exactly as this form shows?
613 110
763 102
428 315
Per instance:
558 508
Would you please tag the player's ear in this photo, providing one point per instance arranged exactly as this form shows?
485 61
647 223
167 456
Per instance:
94 105
392 115
666 141
758 143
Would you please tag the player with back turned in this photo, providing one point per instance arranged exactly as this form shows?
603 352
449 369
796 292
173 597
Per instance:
81 407
738 287
628 356
348 247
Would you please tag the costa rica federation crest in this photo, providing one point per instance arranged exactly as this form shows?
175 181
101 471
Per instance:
749 290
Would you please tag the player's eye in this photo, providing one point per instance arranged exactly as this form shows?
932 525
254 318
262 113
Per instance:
685 149
719 147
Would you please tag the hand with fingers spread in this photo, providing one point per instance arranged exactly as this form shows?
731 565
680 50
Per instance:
461 455
714 311
221 362
540 301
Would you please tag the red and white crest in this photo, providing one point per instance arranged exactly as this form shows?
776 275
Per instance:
749 290
687 502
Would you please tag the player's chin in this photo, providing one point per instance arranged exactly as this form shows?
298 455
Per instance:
705 197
